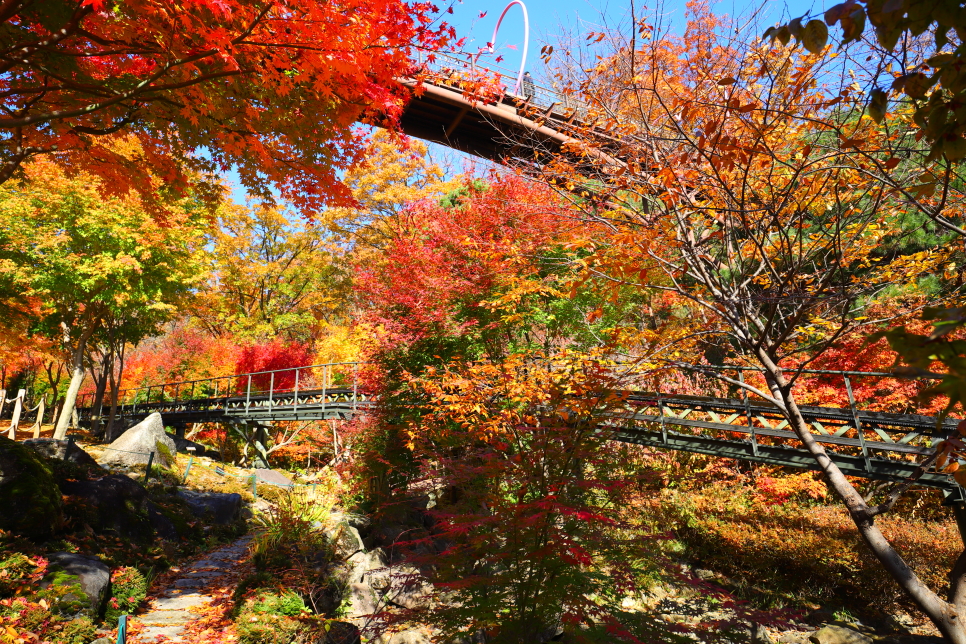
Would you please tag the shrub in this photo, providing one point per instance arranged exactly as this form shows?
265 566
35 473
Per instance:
29 621
288 604
269 618
129 590
19 572
293 530
80 630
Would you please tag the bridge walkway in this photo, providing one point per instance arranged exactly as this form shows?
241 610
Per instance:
867 444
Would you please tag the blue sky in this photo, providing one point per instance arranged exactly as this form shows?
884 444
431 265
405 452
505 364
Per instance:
548 18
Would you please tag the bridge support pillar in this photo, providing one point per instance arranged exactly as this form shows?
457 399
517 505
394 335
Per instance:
956 499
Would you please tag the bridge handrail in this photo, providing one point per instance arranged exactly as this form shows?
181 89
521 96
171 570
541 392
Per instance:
694 368
125 393
563 99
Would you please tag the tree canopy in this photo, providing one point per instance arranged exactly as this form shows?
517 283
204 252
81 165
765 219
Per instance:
269 89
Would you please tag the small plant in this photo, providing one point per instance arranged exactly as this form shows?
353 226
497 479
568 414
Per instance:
130 588
35 621
288 604
19 572
270 618
293 529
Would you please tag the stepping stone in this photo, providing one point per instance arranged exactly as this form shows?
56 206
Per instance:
205 574
180 603
171 632
189 600
167 618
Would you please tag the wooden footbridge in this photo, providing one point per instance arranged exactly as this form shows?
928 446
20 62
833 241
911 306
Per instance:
524 126
867 444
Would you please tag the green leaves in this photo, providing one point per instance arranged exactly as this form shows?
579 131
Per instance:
814 36
73 260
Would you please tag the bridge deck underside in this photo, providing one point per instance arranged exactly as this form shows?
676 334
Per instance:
496 132
870 445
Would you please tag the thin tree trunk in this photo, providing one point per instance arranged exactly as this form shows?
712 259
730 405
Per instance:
70 398
944 615
53 382
115 389
97 405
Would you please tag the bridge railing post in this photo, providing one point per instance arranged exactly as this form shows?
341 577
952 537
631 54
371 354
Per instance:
751 423
858 424
271 389
355 386
295 407
660 406
324 394
248 394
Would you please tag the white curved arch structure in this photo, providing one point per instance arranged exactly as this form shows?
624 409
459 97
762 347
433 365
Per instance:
526 41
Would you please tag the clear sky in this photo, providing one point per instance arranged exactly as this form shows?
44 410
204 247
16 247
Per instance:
550 18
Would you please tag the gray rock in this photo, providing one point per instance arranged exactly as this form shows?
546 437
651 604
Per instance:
163 526
835 634
134 445
794 637
479 637
408 588
103 640
61 450
220 509
410 637
346 539
341 633
759 635
362 563
820 616
30 502
92 575
112 503
182 445
272 477
364 601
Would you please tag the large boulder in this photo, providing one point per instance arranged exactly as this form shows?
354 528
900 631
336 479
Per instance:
61 450
134 445
272 477
113 503
215 507
91 576
30 502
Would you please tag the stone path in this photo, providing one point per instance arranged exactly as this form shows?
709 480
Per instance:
181 602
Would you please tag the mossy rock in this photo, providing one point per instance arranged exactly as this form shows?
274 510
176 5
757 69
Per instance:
112 504
29 494
78 583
